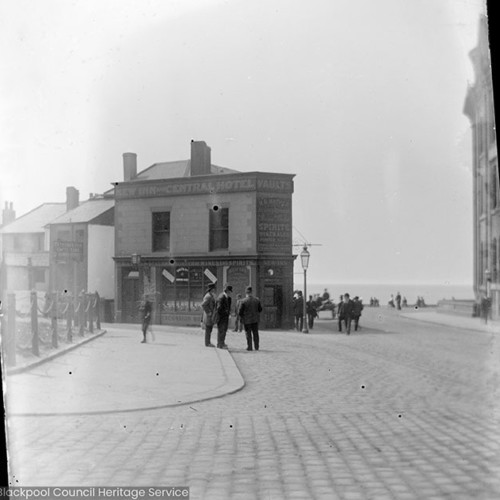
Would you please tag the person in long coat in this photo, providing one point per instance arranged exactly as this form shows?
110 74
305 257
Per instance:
146 319
356 311
222 312
249 311
208 306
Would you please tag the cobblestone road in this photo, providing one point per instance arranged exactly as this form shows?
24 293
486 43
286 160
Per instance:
400 410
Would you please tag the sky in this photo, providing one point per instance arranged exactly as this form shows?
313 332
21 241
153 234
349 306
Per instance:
361 100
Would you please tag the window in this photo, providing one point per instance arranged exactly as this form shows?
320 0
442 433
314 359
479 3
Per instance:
161 231
219 228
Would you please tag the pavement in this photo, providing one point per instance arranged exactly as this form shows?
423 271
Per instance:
402 409
115 372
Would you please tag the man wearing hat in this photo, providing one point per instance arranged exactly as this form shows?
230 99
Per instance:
208 306
357 307
222 312
250 310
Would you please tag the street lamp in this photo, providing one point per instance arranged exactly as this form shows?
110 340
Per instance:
304 257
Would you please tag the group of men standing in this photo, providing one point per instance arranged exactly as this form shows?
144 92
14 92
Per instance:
217 311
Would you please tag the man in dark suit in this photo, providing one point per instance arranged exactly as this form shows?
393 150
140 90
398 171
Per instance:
208 306
348 310
340 312
223 311
356 311
250 309
298 311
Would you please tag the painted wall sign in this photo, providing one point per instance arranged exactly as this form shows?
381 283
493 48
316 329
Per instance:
189 187
68 250
274 224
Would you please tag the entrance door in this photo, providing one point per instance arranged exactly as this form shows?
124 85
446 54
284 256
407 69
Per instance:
273 306
131 299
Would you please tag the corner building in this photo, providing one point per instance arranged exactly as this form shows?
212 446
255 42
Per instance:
180 226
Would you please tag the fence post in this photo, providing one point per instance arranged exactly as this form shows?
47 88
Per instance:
98 311
53 310
11 329
34 324
81 315
90 312
69 318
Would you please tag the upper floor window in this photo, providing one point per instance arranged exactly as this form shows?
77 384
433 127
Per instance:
219 228
161 231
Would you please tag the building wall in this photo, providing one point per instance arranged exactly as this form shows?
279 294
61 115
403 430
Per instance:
189 223
479 107
101 267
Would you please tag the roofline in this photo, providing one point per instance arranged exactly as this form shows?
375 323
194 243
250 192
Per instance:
32 210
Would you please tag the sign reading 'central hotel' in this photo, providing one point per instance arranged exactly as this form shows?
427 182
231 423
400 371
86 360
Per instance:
194 224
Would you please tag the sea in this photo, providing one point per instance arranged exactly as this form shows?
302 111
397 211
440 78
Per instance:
432 293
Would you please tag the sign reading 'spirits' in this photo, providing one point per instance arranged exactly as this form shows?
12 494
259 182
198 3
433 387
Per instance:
274 224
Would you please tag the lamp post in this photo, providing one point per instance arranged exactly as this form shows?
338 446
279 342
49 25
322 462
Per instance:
304 257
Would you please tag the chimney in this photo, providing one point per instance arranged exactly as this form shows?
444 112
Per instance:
129 166
72 198
8 214
200 158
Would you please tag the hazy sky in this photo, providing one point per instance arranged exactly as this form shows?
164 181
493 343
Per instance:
361 99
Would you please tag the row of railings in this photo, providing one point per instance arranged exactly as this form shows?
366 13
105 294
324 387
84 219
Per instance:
43 324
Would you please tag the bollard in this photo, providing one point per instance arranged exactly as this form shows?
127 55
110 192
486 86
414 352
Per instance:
90 308
53 310
11 329
69 320
35 349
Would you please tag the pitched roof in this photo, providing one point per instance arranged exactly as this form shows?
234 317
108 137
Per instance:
173 169
35 220
86 212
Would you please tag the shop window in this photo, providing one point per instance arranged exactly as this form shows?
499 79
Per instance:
219 228
161 231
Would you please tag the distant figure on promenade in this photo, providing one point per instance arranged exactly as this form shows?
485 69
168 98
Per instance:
405 302
238 326
485 308
348 310
222 312
398 301
146 319
391 301
420 302
340 312
356 311
311 312
249 312
208 306
326 296
298 311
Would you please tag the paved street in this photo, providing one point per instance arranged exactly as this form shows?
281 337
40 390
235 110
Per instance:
399 410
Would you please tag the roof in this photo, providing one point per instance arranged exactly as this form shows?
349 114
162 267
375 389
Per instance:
35 220
173 169
86 212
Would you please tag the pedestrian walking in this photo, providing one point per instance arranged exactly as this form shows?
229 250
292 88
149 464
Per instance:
311 312
208 306
298 311
398 301
340 312
222 313
146 319
348 313
250 309
356 311
238 326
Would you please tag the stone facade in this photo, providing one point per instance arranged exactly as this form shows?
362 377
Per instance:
479 108
218 228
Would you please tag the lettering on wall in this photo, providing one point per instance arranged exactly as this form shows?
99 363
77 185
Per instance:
274 224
